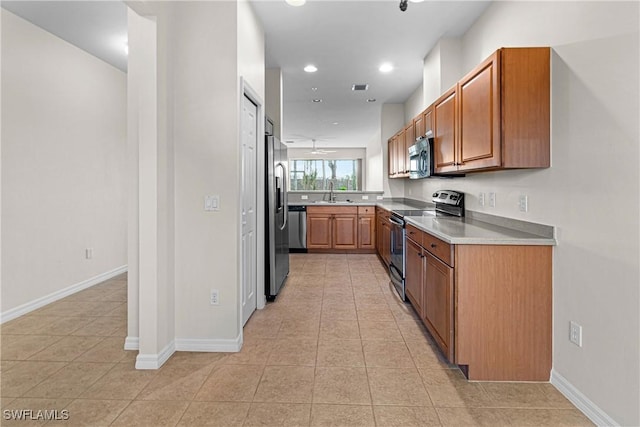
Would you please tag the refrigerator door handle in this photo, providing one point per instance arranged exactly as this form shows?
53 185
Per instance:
282 195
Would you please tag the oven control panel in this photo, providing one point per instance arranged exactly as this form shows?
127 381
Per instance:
448 197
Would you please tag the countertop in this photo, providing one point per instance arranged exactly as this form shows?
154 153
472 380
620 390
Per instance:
467 231
474 229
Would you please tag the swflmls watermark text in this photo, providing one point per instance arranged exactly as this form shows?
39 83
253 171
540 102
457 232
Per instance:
36 415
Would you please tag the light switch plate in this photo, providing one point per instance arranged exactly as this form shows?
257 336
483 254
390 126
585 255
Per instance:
211 203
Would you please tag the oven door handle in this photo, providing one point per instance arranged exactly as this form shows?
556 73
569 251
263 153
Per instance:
396 277
396 222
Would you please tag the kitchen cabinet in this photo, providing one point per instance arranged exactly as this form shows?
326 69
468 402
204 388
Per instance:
438 302
383 234
497 116
318 230
366 227
415 260
341 228
400 154
487 307
418 126
392 158
444 132
409 140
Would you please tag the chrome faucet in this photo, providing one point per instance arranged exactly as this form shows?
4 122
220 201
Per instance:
331 196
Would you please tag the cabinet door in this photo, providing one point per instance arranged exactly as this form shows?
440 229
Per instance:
414 282
438 303
400 156
427 119
319 231
391 153
345 231
366 232
409 140
418 126
479 101
444 133
386 241
379 234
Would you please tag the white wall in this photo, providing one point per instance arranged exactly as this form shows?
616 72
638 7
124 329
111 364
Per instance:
63 164
414 105
273 99
595 153
375 167
392 121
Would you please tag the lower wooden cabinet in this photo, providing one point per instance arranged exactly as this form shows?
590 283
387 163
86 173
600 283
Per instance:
487 307
414 276
366 232
437 312
383 234
341 228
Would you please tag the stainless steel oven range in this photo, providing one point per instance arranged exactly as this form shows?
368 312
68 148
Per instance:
448 203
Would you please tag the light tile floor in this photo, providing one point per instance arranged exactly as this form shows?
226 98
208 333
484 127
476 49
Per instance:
337 348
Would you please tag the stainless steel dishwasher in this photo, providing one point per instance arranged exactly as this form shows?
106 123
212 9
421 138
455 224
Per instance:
297 228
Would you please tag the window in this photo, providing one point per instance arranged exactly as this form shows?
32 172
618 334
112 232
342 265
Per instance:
315 174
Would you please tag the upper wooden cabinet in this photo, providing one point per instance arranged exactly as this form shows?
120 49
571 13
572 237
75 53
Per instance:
444 132
501 115
495 117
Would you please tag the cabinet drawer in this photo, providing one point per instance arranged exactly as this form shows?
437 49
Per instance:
366 210
414 234
311 210
438 248
383 213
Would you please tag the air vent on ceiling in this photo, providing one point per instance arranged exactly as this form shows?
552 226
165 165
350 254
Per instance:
360 87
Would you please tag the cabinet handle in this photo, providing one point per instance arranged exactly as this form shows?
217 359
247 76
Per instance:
433 245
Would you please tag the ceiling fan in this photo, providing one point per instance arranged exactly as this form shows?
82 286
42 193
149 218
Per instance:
315 150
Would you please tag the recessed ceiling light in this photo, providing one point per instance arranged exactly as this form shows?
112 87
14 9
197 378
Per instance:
335 123
317 100
311 68
386 67
295 2
371 100
314 89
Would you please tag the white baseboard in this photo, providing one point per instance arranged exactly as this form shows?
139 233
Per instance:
55 296
155 361
582 402
132 343
213 345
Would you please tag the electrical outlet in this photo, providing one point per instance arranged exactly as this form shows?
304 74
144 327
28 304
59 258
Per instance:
575 333
88 253
215 297
523 203
379 197
365 197
492 200
481 199
303 197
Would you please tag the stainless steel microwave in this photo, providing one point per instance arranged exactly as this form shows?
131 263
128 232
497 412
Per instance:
421 157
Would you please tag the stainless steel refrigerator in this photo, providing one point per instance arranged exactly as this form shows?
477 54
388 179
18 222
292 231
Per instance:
277 235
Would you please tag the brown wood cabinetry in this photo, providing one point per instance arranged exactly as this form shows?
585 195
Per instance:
340 228
488 307
438 303
366 227
444 132
414 275
497 116
383 234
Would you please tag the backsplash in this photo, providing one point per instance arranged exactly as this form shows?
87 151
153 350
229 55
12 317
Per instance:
340 196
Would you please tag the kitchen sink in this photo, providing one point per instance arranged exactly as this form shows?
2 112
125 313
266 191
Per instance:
325 202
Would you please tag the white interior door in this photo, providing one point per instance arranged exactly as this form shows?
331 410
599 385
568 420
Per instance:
249 197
